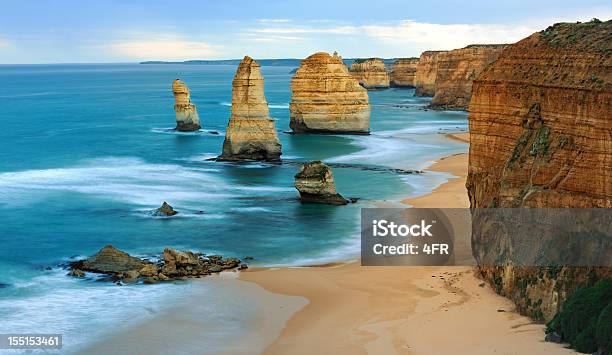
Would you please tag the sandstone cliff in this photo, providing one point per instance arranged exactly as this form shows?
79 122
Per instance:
250 134
456 71
187 118
327 99
315 183
425 77
541 136
370 73
404 71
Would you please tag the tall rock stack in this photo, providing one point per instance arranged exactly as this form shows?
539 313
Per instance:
187 118
540 136
250 134
425 77
456 71
403 72
327 99
370 73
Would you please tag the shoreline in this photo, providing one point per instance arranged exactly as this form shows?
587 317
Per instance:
405 310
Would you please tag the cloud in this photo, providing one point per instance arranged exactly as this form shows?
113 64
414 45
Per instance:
4 43
448 36
273 20
340 30
163 48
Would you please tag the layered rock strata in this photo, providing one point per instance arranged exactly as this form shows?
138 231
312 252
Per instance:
540 127
315 184
251 133
327 99
425 76
456 70
187 118
370 73
403 72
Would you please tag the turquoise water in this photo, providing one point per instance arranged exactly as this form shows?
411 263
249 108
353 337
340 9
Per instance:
86 155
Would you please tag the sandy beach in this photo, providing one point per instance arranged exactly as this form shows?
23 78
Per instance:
402 310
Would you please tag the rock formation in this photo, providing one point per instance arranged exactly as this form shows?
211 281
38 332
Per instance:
315 183
425 77
174 264
403 72
327 99
370 73
187 118
250 134
540 136
456 71
165 210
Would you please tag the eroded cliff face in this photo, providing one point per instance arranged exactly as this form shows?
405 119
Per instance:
541 136
327 99
187 118
456 71
250 134
370 73
403 72
425 77
315 183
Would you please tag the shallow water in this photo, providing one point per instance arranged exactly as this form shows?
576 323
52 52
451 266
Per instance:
87 154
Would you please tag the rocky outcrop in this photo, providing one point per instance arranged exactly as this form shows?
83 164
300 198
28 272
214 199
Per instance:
456 71
327 99
315 183
250 134
425 77
174 264
370 73
165 210
403 72
540 127
187 118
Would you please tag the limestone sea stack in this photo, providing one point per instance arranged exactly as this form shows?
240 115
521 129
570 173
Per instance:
315 183
540 124
403 72
425 77
187 119
327 99
370 73
250 134
457 69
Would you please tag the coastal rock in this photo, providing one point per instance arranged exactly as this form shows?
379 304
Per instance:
250 134
187 118
370 73
426 72
456 71
110 260
327 99
165 210
76 273
403 72
540 126
315 183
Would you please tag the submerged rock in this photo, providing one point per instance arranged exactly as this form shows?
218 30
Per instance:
187 118
250 134
315 183
327 99
165 210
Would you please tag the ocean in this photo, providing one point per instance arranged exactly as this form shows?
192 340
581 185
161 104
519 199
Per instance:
88 152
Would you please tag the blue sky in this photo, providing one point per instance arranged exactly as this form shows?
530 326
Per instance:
34 31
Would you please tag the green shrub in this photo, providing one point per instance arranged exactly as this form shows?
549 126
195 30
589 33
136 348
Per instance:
586 319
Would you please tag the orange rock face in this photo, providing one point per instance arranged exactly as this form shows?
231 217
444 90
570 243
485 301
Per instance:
404 71
187 118
370 73
541 136
456 71
425 77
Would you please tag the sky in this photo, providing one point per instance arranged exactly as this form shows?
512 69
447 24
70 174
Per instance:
119 31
